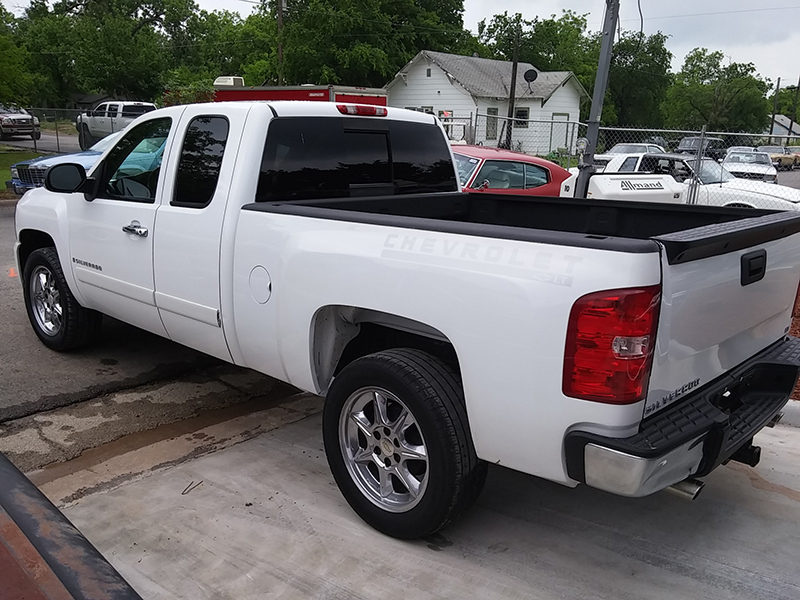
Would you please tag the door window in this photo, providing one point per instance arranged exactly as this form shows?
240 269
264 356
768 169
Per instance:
130 171
501 175
112 110
100 111
535 176
200 162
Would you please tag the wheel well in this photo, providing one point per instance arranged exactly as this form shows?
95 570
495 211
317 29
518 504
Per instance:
738 205
343 334
31 240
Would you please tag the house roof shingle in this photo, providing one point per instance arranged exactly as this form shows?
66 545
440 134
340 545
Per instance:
488 78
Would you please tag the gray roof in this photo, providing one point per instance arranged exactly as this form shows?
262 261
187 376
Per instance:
488 78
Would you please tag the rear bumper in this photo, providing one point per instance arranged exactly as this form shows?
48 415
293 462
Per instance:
693 437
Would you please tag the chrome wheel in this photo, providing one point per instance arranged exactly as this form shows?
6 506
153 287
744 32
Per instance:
46 300
383 449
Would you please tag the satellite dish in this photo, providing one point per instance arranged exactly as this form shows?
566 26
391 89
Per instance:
530 75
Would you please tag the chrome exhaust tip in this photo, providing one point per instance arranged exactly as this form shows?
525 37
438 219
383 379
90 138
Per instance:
688 489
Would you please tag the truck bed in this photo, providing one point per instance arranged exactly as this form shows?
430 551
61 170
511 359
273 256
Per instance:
686 232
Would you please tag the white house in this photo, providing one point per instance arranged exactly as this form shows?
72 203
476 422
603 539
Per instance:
473 92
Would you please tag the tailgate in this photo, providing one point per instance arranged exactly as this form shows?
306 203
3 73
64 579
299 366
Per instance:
728 292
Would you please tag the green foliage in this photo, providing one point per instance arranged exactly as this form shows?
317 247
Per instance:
639 78
723 98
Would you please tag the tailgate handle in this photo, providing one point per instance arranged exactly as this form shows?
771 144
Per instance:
754 266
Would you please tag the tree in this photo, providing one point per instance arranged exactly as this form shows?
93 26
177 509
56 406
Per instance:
16 81
723 98
639 78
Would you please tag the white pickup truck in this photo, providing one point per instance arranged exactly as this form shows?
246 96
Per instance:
662 177
108 118
626 346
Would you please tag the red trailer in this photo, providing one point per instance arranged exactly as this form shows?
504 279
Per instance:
316 93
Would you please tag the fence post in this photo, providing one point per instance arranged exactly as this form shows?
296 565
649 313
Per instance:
697 163
58 142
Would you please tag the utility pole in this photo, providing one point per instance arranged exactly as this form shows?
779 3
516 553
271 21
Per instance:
793 118
586 168
280 41
512 95
774 109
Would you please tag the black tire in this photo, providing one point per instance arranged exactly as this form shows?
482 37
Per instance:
36 135
85 139
452 477
55 315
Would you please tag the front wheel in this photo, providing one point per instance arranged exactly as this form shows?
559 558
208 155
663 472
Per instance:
57 318
398 442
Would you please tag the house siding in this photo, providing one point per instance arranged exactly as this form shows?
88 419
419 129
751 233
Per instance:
437 91
541 135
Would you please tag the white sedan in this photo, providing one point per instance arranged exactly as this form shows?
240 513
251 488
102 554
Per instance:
751 165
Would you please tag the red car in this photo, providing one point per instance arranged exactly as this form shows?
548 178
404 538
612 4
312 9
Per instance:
503 171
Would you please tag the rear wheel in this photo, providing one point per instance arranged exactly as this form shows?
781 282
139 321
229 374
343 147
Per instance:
57 318
398 442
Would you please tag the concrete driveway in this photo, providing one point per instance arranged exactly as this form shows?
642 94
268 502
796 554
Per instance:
264 519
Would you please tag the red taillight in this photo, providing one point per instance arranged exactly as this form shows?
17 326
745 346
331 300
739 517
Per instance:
362 110
610 342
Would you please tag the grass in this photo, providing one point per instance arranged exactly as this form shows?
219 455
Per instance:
8 157
65 126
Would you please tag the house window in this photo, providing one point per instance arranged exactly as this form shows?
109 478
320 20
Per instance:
428 72
426 109
521 115
491 123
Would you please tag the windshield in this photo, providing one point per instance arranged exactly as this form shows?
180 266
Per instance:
12 110
749 158
627 149
106 142
466 167
713 172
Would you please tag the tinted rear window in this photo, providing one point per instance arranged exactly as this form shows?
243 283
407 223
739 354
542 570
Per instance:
323 157
135 111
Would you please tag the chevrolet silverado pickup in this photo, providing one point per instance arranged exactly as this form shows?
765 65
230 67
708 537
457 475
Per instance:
627 346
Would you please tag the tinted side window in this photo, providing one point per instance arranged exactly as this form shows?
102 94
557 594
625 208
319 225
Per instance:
421 159
629 164
200 162
320 157
131 169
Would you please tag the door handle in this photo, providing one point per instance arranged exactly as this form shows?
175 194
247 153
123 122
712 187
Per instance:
136 229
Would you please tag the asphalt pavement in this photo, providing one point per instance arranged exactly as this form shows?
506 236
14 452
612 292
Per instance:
50 143
35 378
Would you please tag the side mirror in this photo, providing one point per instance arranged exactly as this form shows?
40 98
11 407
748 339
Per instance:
64 178
69 178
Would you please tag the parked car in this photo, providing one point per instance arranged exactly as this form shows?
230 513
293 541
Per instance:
716 186
781 156
29 174
751 165
712 147
108 118
740 149
17 122
601 160
482 168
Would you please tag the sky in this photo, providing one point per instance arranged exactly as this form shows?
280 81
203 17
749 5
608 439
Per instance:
745 31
